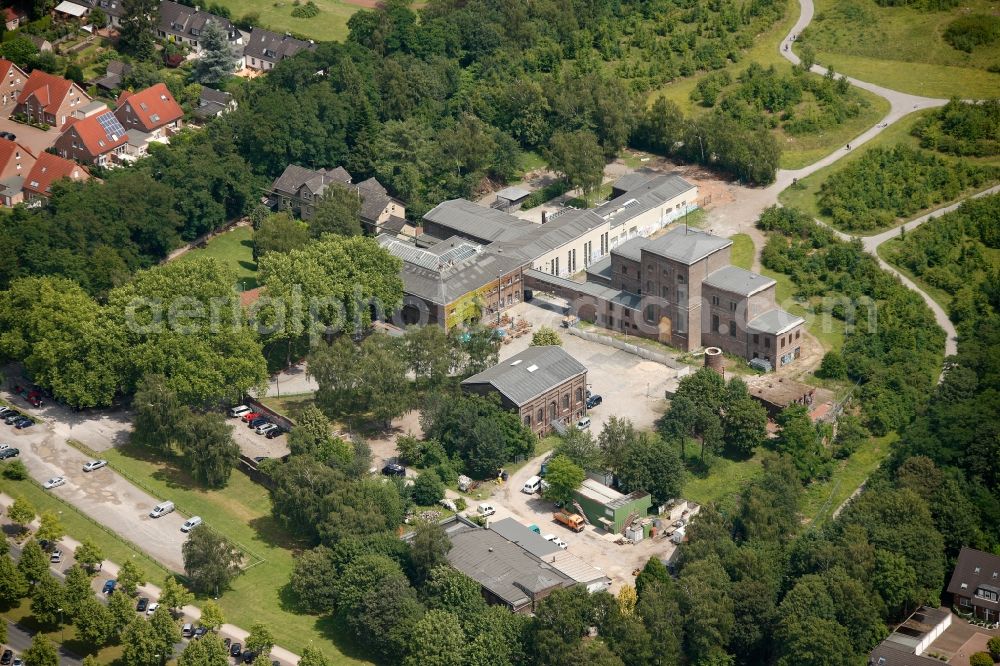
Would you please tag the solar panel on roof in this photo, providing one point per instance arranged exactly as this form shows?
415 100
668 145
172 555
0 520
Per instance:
111 126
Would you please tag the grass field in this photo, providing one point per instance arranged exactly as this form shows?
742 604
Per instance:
242 512
725 478
803 195
742 252
902 48
80 526
821 499
329 25
235 249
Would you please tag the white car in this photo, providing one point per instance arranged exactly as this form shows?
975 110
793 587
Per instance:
265 428
56 556
559 542
191 523
94 465
239 411
151 608
4 446
486 510
54 482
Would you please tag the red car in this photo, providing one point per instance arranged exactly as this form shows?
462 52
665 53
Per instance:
35 398
251 416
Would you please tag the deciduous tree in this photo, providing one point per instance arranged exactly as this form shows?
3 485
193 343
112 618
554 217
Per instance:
279 233
428 548
579 157
21 513
545 336
138 25
47 601
337 212
41 652
94 622
563 476
437 640
34 562
209 450
210 561
49 528
89 554
260 641
211 615
129 577
13 585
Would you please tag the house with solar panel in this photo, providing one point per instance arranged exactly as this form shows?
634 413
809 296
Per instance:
95 136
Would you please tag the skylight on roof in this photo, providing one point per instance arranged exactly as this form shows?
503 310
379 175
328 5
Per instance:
532 368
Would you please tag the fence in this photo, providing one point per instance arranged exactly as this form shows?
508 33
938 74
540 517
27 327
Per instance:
638 350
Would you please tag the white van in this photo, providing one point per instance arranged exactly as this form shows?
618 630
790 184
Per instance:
583 424
161 509
532 485
239 411
486 510
191 523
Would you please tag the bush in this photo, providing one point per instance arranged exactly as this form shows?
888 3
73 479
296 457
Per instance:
832 366
15 470
461 504
994 647
981 659
967 32
428 489
962 128
307 10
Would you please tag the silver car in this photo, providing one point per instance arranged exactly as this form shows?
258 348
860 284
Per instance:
94 465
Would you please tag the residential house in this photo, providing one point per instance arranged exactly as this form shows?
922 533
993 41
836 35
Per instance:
265 49
14 17
379 211
15 163
114 76
453 282
113 9
184 25
12 80
213 103
975 584
542 384
49 99
48 169
42 44
153 110
95 139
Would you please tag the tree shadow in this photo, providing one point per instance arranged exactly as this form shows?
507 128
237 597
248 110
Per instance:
332 628
273 533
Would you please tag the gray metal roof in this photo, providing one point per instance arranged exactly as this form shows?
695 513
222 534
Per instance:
513 193
688 246
632 248
295 176
530 373
532 542
738 281
631 181
775 321
600 269
625 299
476 222
535 240
642 196
504 568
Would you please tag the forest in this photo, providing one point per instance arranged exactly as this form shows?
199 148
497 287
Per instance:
887 183
962 128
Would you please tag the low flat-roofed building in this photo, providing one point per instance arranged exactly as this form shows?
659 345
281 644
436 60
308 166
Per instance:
542 384
609 508
510 198
777 393
907 644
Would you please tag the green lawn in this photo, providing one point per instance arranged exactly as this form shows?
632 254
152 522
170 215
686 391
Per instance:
603 193
329 25
235 249
289 404
742 252
828 330
725 478
21 614
902 48
821 499
80 526
242 512
804 194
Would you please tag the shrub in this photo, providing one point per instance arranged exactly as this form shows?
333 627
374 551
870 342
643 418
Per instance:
967 32
307 10
428 489
981 659
994 647
15 470
832 366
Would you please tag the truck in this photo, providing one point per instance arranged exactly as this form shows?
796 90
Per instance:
574 521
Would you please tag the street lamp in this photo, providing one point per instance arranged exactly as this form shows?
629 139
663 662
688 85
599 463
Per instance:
62 627
702 148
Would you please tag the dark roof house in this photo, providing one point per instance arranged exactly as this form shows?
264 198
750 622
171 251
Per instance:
112 79
528 374
214 103
184 25
265 49
975 584
907 644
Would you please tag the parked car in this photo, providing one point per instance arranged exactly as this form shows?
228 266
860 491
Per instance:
594 401
191 523
393 469
250 416
5 410
161 509
200 631
187 630
485 510
236 649
109 586
259 421
56 556
18 662
142 605
559 542
277 432
264 429
248 657
584 423
9 453
94 465
6 658
12 416
152 608
24 423
54 482
239 410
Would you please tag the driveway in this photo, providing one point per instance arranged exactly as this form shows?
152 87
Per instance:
30 137
103 495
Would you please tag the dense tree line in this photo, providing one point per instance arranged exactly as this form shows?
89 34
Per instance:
885 184
892 345
955 253
962 128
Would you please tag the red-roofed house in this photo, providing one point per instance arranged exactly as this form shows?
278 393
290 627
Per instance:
14 17
12 80
48 169
50 99
93 139
15 163
153 110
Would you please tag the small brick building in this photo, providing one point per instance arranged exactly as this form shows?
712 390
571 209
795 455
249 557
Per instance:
543 384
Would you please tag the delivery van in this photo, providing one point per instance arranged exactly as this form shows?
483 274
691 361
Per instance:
532 485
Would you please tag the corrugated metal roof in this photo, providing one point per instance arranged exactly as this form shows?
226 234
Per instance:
618 297
632 248
642 195
517 533
738 281
516 379
513 193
